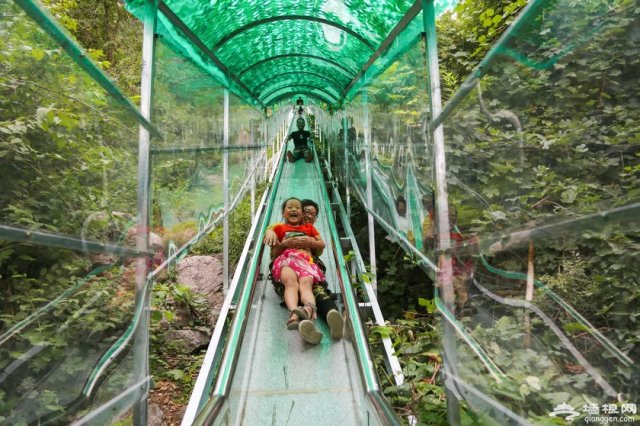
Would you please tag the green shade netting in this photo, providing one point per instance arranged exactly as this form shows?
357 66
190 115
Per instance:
290 47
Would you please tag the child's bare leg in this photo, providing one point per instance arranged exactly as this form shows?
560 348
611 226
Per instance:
307 329
306 293
291 287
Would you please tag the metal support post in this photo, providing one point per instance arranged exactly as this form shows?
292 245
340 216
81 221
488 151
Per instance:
320 140
225 191
141 340
254 162
273 146
445 274
369 173
329 148
265 141
252 170
345 140
284 135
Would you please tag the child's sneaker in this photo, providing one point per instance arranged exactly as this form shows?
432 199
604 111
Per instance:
336 324
309 332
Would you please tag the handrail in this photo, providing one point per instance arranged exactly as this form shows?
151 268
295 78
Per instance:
215 347
227 364
359 336
198 408
392 360
50 239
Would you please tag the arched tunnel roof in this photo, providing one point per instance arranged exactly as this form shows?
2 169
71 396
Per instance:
264 50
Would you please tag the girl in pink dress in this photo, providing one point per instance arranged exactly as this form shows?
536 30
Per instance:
294 267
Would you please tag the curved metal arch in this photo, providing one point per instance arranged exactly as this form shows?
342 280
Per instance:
300 85
253 24
298 55
324 77
303 92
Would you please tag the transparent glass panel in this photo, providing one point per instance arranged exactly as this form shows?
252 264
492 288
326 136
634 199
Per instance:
542 177
67 325
68 150
247 147
187 167
399 154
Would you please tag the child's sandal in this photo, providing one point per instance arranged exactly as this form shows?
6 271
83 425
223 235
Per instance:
312 314
294 320
301 313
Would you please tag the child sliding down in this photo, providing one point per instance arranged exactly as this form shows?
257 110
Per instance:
294 267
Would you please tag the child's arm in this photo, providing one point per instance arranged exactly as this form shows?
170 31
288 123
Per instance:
315 242
317 245
279 248
270 237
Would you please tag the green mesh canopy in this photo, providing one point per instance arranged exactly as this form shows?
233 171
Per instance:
265 51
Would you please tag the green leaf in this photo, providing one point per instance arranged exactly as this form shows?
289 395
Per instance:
383 331
156 316
175 374
429 304
568 196
574 326
38 54
533 382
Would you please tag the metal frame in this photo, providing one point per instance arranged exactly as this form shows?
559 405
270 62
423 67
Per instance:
293 55
297 72
345 143
445 273
486 62
66 242
368 173
175 20
291 86
304 92
169 151
141 339
259 22
404 22
225 191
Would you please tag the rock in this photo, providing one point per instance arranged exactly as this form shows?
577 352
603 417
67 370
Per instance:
155 244
155 416
180 234
180 412
202 274
98 259
155 241
187 341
